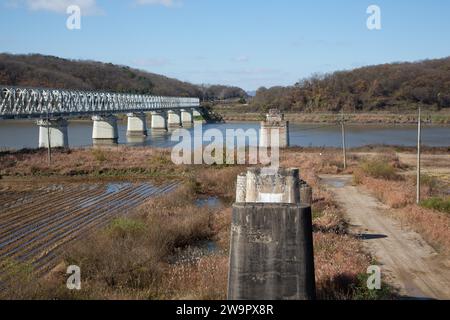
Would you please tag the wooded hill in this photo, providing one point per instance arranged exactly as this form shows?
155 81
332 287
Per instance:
36 70
388 87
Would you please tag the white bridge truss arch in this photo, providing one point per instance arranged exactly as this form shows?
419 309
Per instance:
21 102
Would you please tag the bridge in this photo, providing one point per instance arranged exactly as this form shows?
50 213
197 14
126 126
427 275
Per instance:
52 107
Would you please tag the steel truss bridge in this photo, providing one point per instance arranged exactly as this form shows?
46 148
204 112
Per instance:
21 102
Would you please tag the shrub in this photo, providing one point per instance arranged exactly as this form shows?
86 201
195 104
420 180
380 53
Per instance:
121 227
99 155
361 292
379 168
438 204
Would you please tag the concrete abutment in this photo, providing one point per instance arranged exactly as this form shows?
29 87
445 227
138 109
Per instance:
174 118
53 132
137 124
105 130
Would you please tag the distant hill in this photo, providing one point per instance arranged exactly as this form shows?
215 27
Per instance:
390 87
37 70
219 92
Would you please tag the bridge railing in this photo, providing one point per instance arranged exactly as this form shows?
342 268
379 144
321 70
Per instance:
38 102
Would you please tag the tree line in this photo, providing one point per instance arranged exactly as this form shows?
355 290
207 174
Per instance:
388 87
35 70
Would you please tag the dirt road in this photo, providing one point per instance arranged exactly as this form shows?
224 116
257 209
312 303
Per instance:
406 260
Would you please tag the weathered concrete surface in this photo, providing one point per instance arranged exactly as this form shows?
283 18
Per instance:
257 186
159 121
56 129
274 127
196 113
137 124
174 118
271 256
186 116
105 130
305 194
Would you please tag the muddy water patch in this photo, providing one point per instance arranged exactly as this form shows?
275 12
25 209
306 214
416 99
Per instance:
193 253
209 202
336 181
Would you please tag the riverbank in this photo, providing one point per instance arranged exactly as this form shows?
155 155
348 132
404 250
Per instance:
169 247
16 135
238 113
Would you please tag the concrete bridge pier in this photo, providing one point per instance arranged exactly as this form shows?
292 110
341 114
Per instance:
158 120
196 113
274 122
54 130
271 254
186 117
137 124
174 118
105 130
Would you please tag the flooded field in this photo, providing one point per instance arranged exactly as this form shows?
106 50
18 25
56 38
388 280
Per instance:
36 221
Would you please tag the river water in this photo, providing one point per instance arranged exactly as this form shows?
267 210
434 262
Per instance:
24 134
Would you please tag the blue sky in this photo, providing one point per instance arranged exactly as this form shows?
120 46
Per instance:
247 43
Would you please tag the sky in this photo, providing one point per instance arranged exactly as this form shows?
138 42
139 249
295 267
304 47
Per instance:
247 43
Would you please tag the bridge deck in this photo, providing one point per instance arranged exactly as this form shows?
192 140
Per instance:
20 102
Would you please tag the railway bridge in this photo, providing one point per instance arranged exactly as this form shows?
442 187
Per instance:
52 107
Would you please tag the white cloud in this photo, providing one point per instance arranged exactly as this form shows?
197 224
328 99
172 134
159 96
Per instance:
165 3
88 7
242 58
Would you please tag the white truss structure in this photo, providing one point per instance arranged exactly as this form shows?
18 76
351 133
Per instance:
20 102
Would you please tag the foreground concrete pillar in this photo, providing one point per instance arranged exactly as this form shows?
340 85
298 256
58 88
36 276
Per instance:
274 122
137 125
186 116
271 254
257 186
173 118
306 197
159 120
54 130
105 131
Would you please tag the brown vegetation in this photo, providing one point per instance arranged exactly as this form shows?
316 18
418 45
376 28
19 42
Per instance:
397 189
393 87
234 113
158 253
37 70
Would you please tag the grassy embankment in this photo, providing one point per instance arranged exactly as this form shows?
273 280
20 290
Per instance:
157 252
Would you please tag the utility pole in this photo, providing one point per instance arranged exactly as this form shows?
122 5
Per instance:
49 148
419 125
343 140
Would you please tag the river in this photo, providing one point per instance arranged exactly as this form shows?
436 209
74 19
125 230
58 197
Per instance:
24 134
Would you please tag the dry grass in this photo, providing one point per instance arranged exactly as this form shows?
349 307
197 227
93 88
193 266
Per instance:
137 257
202 279
432 225
144 257
340 261
74 162
400 195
